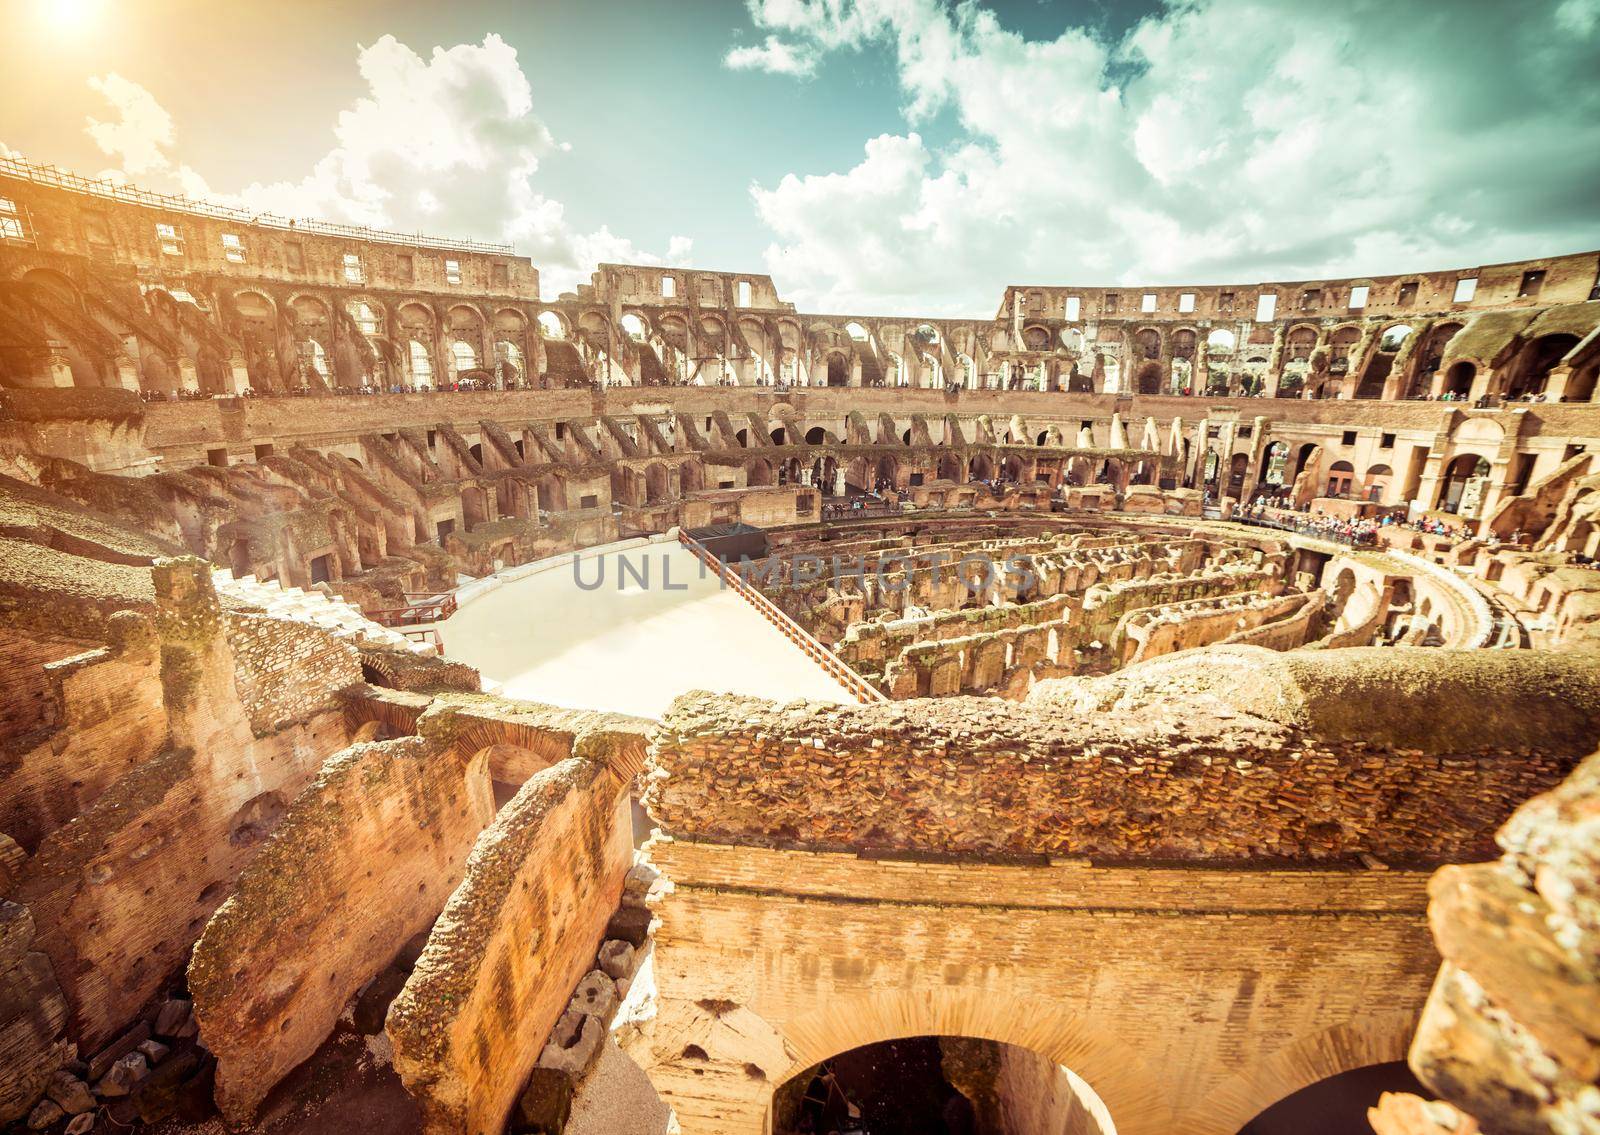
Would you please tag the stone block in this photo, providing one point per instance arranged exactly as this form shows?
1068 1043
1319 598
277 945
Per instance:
631 924
574 1044
160 1094
71 1093
596 995
123 1076
46 1114
102 1061
175 1019
616 959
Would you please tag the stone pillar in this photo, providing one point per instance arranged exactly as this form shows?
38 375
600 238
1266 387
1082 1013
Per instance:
127 373
1555 386
1428 488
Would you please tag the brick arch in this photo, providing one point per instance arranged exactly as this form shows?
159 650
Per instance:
1115 1072
1378 1039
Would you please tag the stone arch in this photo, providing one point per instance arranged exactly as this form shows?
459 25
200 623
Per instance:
758 473
1379 1038
1130 1092
1531 370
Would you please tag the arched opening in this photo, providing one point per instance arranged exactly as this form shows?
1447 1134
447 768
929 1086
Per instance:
888 474
1376 482
551 325
779 437
1149 380
1531 371
1341 475
421 364
1238 467
949 467
816 435
937 1085
1581 386
1273 463
463 357
657 484
634 328
758 473
1337 1105
838 370
1458 379
1461 487
981 468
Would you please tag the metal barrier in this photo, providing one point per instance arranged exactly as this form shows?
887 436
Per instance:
864 691
429 635
58 178
419 608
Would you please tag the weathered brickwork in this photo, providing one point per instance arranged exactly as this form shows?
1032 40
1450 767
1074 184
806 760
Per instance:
1199 779
287 671
515 937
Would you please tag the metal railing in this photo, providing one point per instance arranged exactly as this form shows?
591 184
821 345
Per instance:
1308 528
429 635
864 691
58 178
418 609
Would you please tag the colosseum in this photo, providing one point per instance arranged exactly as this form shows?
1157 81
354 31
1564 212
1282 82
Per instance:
438 709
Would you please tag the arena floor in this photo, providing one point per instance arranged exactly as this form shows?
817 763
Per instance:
626 646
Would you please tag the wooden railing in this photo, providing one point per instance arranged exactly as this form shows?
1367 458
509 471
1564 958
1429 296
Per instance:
428 635
418 609
863 690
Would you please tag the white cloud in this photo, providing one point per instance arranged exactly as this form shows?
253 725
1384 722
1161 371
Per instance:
774 56
1220 140
139 137
449 144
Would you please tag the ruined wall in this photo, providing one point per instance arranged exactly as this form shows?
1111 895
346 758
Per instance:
284 669
33 1014
1508 1034
515 936
1188 999
121 892
363 860
1425 776
97 714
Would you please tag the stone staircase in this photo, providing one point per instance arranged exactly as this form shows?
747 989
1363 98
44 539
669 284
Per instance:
340 619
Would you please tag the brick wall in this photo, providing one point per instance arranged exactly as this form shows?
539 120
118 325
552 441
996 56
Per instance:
287 671
1197 780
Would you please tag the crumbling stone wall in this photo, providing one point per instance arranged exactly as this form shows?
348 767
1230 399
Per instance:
1509 1032
1201 775
121 891
103 715
513 939
363 860
33 1014
286 670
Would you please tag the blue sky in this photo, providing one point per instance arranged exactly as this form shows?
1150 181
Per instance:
876 155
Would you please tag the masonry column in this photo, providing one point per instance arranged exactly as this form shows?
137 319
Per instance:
1274 362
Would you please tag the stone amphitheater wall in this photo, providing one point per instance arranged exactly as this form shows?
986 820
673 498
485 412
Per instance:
516 935
988 778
